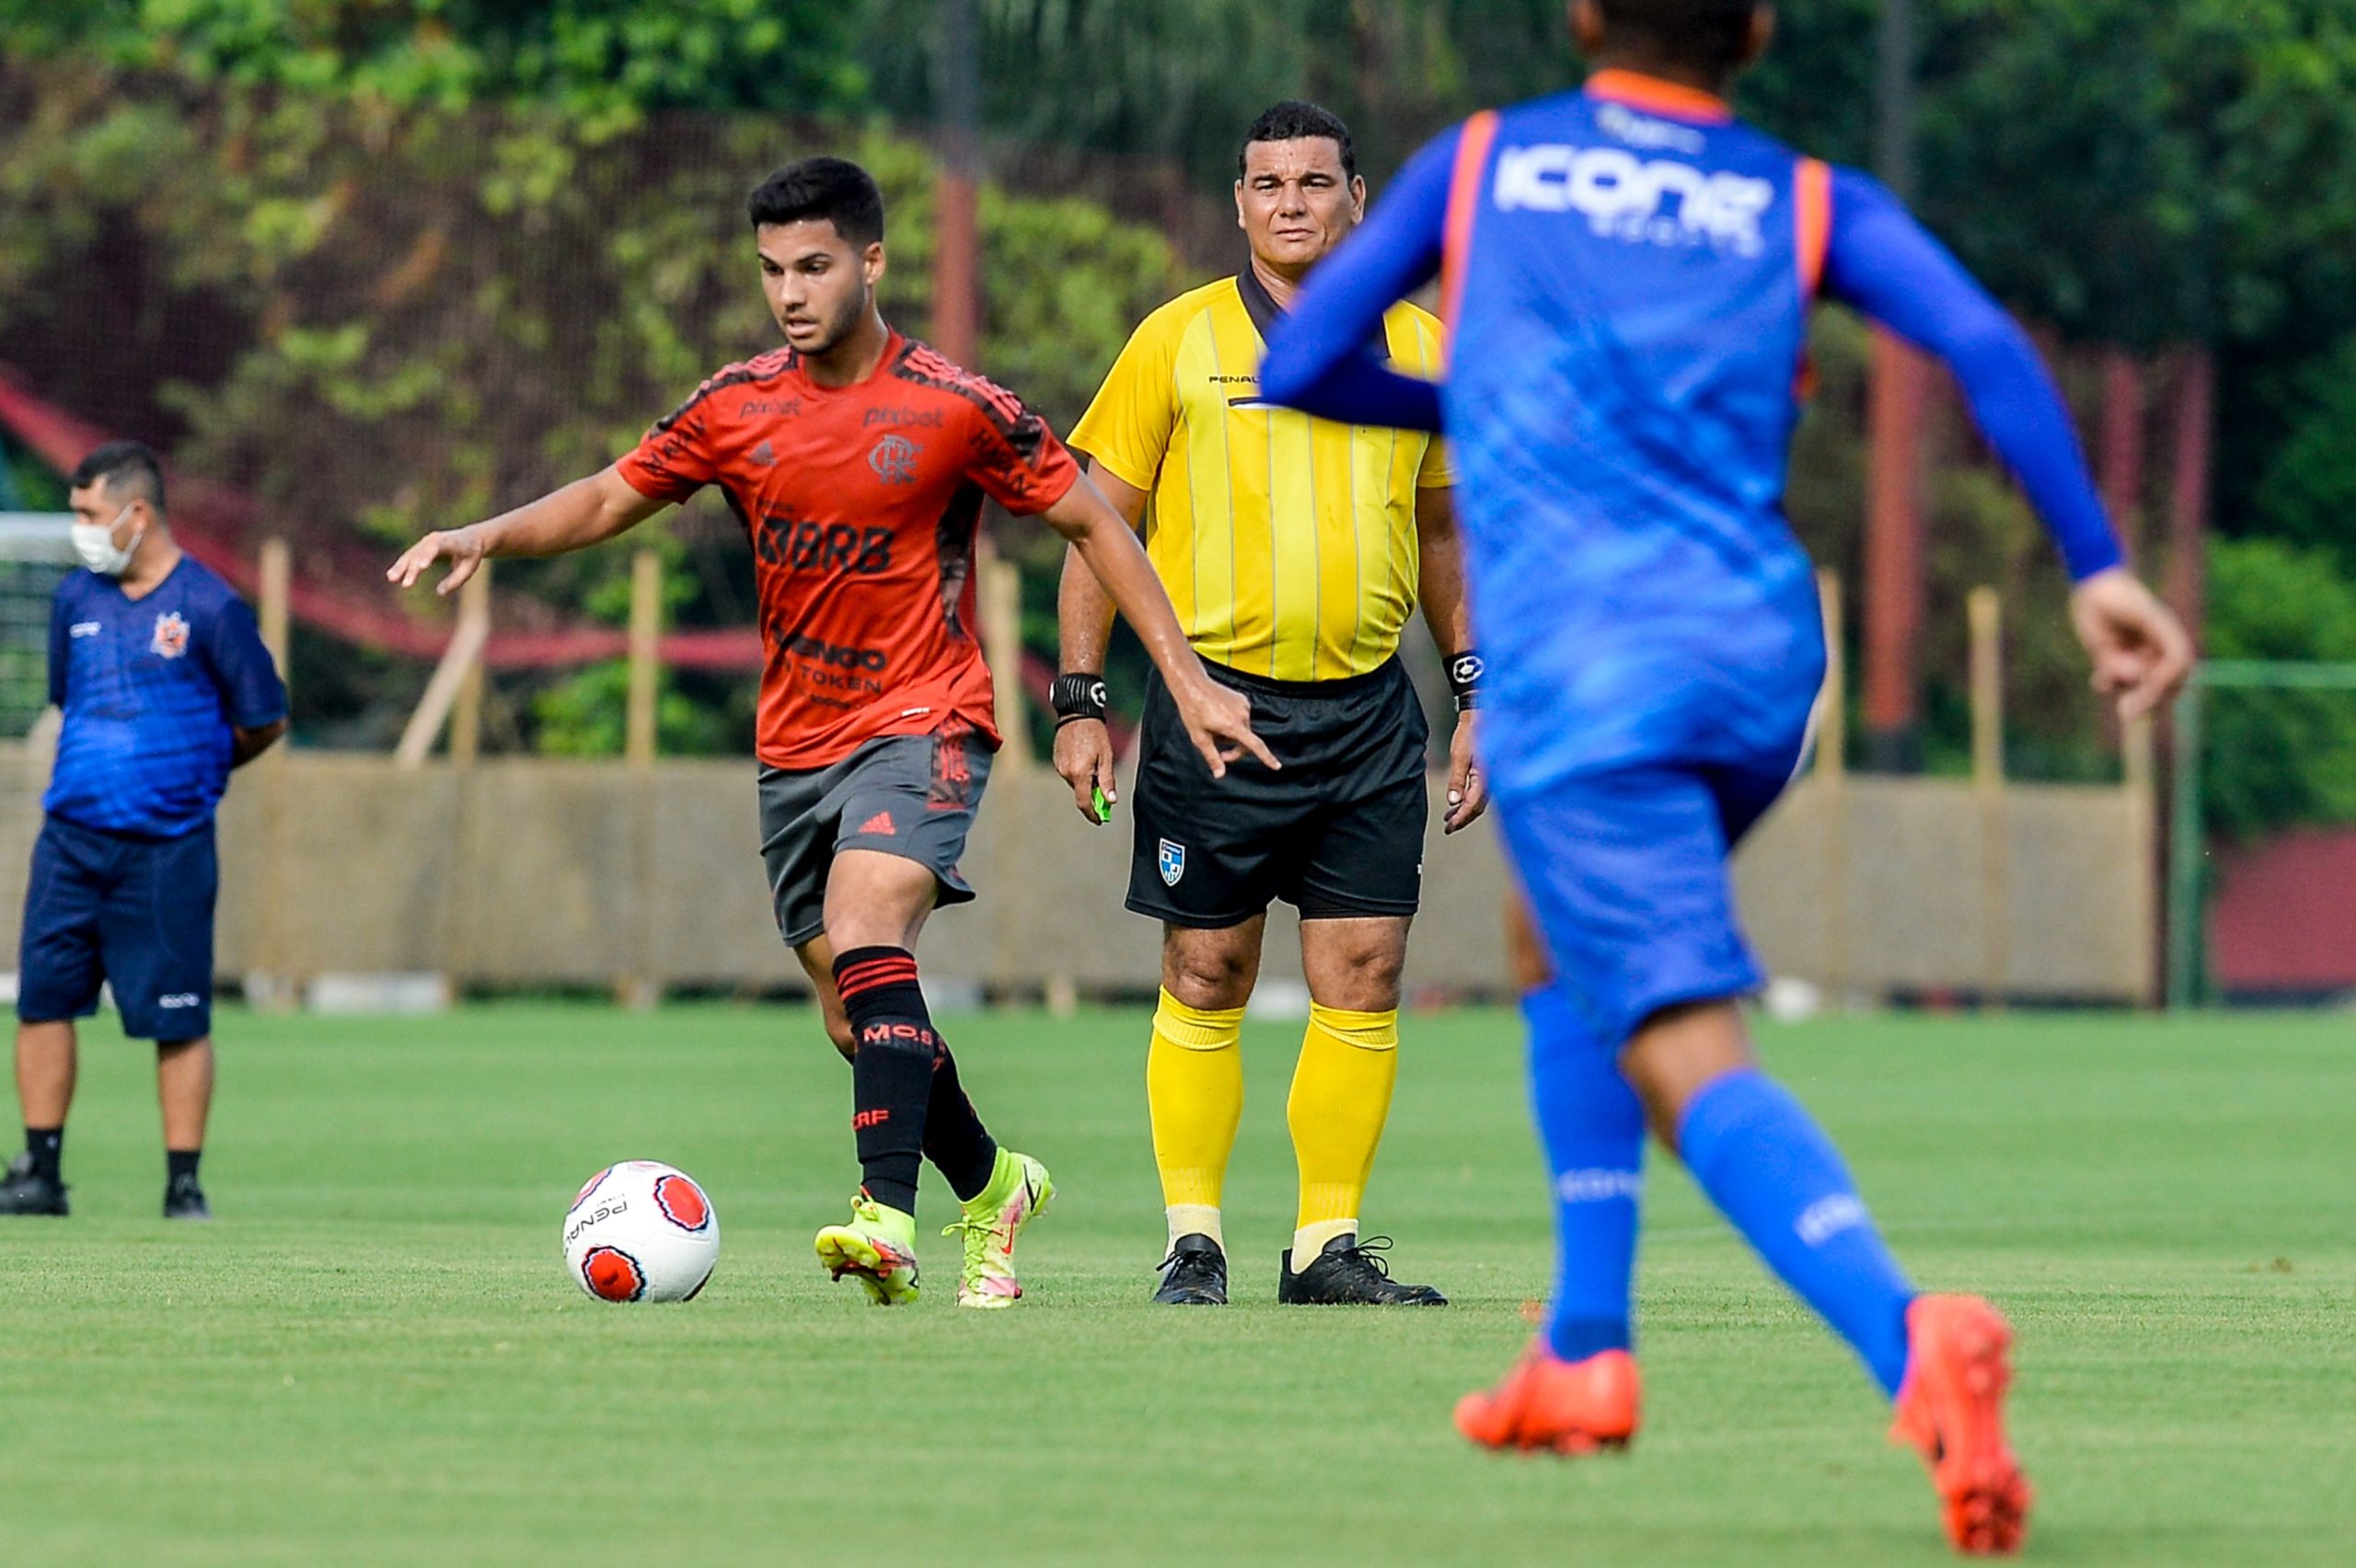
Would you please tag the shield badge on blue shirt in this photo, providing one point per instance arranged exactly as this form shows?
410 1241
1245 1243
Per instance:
1174 862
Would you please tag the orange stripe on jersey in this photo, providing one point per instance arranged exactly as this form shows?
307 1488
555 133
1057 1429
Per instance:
1812 223
1655 95
1812 201
1464 201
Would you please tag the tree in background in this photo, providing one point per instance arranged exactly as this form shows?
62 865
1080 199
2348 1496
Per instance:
385 316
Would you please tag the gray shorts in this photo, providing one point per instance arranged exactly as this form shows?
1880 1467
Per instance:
913 796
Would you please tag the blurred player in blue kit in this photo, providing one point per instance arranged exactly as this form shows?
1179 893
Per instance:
167 687
1628 273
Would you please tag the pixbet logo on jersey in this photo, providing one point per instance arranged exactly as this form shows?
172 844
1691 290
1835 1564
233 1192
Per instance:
1642 201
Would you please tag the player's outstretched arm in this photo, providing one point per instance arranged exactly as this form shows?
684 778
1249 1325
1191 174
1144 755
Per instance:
584 512
1083 754
1218 720
1317 361
1888 265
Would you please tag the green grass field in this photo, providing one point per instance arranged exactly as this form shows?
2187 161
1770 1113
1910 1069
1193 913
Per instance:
375 1357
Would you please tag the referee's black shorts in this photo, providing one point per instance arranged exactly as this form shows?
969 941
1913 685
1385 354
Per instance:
1338 833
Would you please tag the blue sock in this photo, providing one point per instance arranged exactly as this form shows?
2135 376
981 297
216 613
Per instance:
1773 1172
1593 1128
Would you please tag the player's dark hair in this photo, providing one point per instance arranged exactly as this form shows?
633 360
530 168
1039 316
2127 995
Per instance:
1711 34
1291 121
127 463
821 190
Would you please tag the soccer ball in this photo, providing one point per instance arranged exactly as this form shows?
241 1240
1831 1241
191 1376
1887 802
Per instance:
640 1231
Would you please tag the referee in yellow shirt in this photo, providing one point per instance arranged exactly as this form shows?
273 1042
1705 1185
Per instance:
1294 550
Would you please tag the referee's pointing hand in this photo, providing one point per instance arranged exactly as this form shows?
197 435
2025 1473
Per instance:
1219 723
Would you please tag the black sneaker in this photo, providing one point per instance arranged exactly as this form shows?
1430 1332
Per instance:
26 1191
1347 1272
185 1199
1194 1274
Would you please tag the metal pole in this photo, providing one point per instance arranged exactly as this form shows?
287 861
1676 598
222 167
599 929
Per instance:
2186 860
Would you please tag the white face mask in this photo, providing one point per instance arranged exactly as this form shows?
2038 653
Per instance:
95 544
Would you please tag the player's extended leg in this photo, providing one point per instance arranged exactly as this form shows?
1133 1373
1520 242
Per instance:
960 1147
877 904
1576 1389
1194 1090
1341 1098
1626 873
46 1062
184 1087
1761 1159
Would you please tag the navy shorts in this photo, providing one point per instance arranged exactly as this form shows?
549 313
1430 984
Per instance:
136 913
1338 833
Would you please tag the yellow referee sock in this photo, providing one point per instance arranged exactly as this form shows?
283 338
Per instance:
1341 1097
1194 1087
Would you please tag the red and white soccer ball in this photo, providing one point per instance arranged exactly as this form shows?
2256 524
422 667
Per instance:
642 1231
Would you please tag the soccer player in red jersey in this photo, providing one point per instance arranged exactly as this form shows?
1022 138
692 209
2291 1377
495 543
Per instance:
857 461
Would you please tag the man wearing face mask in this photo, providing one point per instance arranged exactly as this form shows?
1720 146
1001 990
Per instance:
167 687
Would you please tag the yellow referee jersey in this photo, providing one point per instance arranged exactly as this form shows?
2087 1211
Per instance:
1286 543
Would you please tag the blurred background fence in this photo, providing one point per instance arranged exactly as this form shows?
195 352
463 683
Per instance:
362 269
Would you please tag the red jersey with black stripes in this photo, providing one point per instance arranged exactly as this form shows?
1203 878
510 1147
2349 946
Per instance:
861 503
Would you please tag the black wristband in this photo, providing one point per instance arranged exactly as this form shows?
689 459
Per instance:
1464 673
1077 696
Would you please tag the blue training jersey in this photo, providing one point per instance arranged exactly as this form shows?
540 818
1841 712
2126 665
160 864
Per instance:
1628 273
151 687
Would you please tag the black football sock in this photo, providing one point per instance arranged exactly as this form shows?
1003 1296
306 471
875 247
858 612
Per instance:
180 1162
891 1076
955 1139
47 1145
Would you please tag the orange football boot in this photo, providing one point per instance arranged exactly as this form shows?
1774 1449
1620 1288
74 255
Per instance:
1951 1408
1545 1402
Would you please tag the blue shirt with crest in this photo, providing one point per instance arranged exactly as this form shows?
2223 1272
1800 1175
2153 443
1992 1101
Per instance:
152 689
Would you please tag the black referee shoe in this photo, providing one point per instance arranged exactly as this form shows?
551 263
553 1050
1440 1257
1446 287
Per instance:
184 1199
1349 1272
1194 1274
27 1191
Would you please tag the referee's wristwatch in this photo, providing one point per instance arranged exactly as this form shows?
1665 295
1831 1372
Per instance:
1078 695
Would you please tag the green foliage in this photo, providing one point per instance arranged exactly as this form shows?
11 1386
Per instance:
585 714
438 313
2271 758
607 61
2309 494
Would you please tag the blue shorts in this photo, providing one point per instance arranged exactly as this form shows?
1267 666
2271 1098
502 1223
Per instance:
1626 875
133 912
